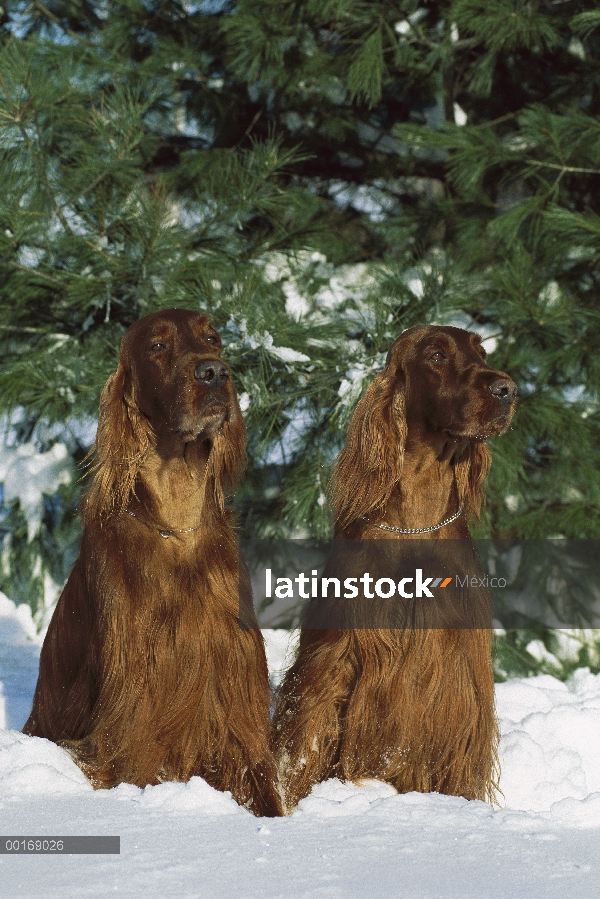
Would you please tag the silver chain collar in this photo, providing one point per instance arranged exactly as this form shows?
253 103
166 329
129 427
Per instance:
164 532
434 527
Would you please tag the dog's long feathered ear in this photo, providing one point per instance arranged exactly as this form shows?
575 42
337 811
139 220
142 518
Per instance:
370 465
470 473
227 458
122 441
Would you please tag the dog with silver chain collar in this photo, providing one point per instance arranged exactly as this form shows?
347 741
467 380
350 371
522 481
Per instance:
410 706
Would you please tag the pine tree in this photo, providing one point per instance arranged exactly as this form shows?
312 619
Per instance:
317 177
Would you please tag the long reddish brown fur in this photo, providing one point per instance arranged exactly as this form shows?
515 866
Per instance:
147 673
414 706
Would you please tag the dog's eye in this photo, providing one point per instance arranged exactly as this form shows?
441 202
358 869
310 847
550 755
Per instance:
212 338
158 346
437 357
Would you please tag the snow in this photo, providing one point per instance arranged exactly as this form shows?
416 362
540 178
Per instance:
416 287
551 741
286 354
244 401
352 385
281 647
34 767
19 655
344 840
28 474
460 116
347 282
296 304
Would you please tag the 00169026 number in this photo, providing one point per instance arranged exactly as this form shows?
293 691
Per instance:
33 845
67 845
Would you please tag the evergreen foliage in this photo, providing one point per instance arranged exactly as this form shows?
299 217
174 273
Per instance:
317 177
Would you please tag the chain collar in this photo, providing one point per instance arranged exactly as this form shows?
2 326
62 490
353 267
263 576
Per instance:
433 527
164 532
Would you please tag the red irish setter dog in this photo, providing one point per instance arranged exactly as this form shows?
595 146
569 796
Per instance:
147 673
411 706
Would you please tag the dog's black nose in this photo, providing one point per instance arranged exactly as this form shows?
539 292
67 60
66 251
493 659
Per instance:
212 373
504 390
